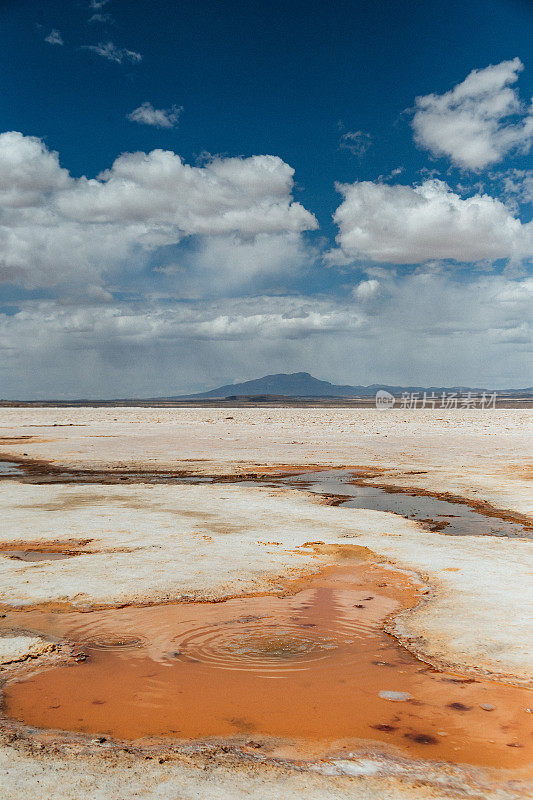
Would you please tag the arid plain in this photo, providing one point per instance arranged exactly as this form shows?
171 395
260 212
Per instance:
319 603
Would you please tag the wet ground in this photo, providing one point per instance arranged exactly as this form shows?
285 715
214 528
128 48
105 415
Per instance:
10 468
350 489
304 674
34 555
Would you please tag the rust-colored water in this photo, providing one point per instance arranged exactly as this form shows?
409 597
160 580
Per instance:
308 668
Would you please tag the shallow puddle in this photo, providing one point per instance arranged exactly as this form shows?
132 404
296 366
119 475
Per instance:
453 519
10 468
312 670
35 555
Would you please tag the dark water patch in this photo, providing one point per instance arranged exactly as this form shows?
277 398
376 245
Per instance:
9 468
436 514
35 555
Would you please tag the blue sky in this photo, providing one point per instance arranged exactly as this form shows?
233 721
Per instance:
158 278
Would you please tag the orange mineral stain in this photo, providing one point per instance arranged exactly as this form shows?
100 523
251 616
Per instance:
313 670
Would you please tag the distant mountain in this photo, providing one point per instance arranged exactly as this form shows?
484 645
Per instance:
302 384
295 384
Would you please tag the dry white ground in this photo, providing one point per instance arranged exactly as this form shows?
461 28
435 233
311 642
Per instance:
213 540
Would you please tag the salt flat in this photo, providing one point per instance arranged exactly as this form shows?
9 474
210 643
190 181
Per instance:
158 542
225 540
473 453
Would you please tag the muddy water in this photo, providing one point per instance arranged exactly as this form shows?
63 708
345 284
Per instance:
312 670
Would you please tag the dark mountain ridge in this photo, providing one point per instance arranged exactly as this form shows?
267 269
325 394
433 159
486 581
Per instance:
303 384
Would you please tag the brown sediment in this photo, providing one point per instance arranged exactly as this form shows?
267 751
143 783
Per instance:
38 468
340 552
41 550
522 470
305 669
68 546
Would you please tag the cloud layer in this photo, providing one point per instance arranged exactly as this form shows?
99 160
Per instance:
434 333
477 122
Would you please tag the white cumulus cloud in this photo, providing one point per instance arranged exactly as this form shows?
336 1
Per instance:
479 121
414 224
172 199
29 172
367 290
146 114
55 229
